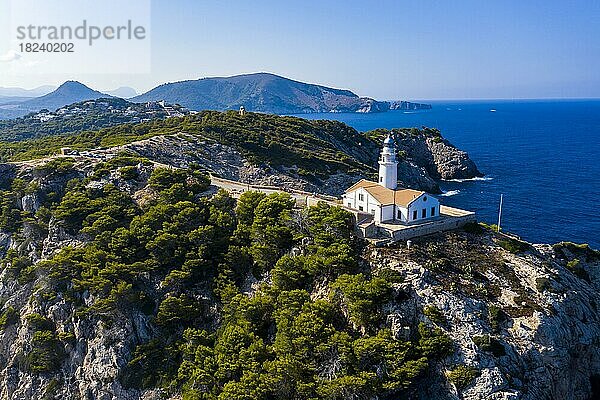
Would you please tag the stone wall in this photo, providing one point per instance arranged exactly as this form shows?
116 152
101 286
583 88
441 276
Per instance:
441 225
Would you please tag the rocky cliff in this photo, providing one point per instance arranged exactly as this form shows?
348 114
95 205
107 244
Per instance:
407 105
78 321
425 156
524 318
423 162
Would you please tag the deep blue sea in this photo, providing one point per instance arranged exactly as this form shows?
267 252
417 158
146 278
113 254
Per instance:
543 155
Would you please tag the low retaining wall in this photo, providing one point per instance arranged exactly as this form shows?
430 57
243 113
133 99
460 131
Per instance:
442 225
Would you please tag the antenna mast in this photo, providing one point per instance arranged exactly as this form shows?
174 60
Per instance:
500 212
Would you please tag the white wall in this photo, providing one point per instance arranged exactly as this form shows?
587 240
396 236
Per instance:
387 213
404 213
425 201
368 204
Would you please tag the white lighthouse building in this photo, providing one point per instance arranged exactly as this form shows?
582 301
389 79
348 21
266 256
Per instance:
388 165
384 200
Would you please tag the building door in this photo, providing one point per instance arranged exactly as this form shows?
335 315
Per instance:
414 215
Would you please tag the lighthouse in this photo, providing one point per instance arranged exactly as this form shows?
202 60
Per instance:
388 165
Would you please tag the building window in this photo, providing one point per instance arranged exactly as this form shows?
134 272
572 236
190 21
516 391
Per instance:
425 198
360 208
414 215
361 197
424 213
373 212
433 211
381 179
350 205
399 214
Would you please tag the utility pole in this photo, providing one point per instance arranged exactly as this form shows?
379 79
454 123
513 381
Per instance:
500 212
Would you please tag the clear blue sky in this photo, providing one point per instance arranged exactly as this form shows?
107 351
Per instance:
387 49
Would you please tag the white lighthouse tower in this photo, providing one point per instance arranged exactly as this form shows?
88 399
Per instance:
388 165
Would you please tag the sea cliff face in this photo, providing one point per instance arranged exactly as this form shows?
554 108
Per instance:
407 105
425 157
524 319
438 157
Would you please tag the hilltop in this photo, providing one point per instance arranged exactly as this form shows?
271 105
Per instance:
123 92
68 93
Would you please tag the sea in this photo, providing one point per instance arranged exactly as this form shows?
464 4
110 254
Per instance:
543 156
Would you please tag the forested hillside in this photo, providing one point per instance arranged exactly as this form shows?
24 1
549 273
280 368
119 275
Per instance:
226 299
324 156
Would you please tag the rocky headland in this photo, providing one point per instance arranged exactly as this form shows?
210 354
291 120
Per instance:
523 319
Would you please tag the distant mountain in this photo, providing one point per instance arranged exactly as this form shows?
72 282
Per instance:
19 92
68 93
14 100
261 92
123 92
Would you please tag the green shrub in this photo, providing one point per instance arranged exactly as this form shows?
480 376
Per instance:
435 315
580 250
473 227
578 270
495 317
153 365
8 317
51 389
57 166
362 297
390 275
128 173
434 343
513 245
462 376
19 267
491 227
178 311
46 354
67 337
38 322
